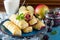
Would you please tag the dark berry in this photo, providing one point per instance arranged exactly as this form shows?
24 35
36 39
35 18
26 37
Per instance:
57 13
49 30
45 37
49 22
56 22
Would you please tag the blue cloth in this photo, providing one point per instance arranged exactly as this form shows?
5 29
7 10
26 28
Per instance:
51 37
56 36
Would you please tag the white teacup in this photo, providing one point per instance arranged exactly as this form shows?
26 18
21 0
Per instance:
11 6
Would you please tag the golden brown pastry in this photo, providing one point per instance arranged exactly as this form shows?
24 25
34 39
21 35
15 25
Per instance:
27 15
33 21
39 25
22 9
12 28
28 29
30 9
21 23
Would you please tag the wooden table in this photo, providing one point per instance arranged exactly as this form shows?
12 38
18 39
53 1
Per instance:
2 12
49 3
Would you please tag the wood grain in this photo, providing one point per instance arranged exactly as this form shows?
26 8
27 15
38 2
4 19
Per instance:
34 3
42 1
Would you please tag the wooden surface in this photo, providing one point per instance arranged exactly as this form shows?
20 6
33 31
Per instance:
49 3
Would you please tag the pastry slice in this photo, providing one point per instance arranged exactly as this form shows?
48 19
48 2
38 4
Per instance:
30 9
28 29
33 21
40 25
21 9
21 23
12 28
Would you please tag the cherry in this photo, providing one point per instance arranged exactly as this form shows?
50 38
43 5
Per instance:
28 17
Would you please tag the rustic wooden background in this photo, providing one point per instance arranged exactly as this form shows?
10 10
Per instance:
49 3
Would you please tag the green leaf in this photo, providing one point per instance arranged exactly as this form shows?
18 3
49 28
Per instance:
20 17
53 32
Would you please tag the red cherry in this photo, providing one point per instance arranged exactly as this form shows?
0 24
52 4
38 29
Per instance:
28 17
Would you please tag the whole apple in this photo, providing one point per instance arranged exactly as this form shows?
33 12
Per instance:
41 10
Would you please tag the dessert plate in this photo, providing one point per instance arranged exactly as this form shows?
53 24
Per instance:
31 34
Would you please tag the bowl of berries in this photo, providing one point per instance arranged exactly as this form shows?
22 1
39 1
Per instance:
53 17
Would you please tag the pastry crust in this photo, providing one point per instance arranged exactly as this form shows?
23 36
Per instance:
39 25
21 23
30 9
12 28
28 29
33 21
